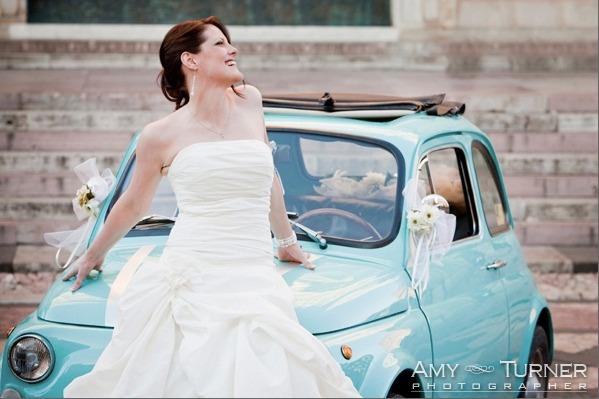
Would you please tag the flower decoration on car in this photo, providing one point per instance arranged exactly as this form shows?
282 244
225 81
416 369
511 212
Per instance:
86 205
87 202
431 230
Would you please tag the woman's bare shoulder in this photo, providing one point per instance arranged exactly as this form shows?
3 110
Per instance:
154 134
251 93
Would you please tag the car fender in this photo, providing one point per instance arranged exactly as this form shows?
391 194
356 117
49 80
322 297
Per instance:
382 349
539 313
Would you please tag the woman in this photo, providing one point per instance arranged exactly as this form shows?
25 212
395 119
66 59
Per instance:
212 317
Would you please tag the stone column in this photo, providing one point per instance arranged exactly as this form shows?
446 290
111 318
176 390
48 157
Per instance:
13 11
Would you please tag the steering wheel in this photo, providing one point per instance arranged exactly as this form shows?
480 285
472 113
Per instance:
352 217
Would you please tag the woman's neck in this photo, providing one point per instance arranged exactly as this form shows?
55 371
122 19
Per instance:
209 104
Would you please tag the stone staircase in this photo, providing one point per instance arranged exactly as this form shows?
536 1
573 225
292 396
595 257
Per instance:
543 126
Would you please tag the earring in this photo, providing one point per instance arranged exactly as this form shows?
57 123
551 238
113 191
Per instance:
193 85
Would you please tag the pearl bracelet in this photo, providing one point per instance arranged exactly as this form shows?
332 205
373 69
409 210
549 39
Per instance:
287 241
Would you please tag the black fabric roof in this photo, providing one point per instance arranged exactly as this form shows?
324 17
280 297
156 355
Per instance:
333 102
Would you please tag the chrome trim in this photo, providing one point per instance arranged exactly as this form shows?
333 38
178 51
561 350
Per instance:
50 351
472 200
497 264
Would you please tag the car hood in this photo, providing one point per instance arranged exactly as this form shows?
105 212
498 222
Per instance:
340 293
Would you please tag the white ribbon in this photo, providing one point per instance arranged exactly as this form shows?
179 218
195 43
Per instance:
428 242
273 147
72 240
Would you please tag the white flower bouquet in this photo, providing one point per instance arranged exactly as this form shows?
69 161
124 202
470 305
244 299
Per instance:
86 205
87 202
431 232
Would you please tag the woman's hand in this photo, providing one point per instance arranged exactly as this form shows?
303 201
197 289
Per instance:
82 267
294 253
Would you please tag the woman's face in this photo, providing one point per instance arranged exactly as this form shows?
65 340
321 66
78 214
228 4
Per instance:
215 58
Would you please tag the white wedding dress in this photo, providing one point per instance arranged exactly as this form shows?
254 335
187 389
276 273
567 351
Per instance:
212 317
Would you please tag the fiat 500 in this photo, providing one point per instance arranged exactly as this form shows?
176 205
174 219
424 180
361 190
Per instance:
344 161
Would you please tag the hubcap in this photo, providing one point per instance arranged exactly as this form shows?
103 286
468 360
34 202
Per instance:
535 385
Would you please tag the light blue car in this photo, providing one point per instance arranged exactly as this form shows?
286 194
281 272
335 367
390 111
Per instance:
470 333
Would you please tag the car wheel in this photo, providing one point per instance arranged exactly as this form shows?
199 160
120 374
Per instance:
395 395
536 386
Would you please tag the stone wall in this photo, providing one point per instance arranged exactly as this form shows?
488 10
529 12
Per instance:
500 20
426 35
13 11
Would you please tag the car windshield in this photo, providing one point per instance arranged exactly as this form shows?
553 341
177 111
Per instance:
343 187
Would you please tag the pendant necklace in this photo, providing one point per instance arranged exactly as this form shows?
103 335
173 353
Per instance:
214 131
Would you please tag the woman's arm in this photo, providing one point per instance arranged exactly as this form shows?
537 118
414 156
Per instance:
279 222
127 211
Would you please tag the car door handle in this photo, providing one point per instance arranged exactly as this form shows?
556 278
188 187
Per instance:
497 264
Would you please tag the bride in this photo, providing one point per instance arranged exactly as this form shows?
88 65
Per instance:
211 317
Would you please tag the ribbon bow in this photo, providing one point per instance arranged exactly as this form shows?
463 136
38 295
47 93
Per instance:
86 205
431 232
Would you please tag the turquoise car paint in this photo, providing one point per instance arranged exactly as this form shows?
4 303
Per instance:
347 290
357 296
380 351
478 316
76 349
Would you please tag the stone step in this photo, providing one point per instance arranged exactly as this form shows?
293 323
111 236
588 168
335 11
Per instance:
585 259
544 142
554 209
30 231
584 186
574 316
547 164
100 121
107 120
567 233
512 164
57 161
509 122
544 259
536 103
136 89
52 184
410 53
25 288
65 140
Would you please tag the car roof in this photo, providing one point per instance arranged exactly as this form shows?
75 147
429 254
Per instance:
410 129
408 119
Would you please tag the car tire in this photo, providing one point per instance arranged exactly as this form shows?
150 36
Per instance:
539 354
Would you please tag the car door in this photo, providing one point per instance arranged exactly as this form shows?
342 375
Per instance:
504 254
465 302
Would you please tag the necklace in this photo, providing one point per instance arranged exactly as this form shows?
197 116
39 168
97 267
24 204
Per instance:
214 131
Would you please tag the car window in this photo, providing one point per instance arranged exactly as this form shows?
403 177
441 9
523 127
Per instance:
487 177
444 172
343 187
164 202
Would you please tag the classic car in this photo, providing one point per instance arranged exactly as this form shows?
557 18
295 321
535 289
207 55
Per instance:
344 160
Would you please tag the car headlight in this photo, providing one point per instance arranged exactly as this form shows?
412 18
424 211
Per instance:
31 358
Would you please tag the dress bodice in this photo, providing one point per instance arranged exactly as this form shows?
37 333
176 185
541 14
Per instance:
222 190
